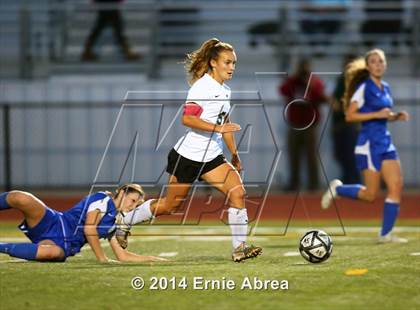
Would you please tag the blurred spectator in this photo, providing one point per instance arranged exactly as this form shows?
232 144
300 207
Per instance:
383 17
302 139
322 17
344 134
108 16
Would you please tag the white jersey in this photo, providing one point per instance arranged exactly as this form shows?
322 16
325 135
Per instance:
214 101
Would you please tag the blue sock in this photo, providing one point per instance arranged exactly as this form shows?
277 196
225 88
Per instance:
391 210
3 203
349 190
20 250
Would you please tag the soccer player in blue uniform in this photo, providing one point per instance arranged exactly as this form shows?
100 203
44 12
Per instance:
368 100
55 236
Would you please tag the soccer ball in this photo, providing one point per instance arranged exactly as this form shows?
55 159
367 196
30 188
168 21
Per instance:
316 246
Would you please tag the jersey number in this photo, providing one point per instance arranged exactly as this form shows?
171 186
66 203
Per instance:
221 118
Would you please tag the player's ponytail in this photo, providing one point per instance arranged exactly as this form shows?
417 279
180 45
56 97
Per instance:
197 63
356 73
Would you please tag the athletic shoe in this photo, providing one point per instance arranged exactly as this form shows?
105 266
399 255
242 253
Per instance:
390 238
244 251
330 194
122 237
122 231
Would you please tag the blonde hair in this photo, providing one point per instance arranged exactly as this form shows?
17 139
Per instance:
356 72
197 63
130 188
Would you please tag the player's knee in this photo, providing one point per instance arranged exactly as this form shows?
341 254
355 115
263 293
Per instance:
237 194
396 186
399 183
51 254
370 196
15 198
168 207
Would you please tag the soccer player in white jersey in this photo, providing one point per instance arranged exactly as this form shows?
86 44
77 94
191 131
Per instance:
199 153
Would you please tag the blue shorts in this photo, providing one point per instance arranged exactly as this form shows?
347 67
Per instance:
373 160
51 227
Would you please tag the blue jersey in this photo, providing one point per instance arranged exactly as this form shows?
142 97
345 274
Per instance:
75 218
374 141
67 229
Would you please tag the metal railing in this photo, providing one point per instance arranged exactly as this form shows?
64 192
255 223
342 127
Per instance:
61 145
43 34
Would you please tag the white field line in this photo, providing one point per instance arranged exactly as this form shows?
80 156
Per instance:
347 238
145 238
14 239
198 234
16 260
216 238
270 229
168 254
352 229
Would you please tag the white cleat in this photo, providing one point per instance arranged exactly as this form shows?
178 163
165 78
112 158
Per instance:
390 238
330 194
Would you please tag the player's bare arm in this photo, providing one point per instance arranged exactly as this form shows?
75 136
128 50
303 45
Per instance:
229 139
196 123
353 114
123 255
91 234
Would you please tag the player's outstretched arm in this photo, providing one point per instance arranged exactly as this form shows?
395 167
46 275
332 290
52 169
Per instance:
91 234
125 256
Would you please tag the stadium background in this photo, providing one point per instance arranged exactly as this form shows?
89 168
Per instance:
58 112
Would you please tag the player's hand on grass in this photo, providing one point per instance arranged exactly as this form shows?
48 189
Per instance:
103 259
157 259
229 127
106 260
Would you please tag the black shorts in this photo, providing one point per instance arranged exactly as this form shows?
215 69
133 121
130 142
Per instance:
187 170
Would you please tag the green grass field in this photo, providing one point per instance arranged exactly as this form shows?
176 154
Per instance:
392 280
